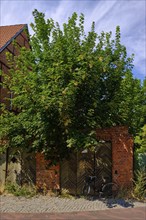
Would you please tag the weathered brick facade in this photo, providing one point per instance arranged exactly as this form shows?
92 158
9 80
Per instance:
122 153
122 158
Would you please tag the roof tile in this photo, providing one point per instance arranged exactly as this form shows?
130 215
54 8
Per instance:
7 32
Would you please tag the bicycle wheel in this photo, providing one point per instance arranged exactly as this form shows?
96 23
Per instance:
110 190
86 190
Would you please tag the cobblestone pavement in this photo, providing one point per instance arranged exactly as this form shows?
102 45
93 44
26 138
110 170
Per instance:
47 204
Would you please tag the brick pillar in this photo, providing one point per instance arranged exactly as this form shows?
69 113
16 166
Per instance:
122 160
122 153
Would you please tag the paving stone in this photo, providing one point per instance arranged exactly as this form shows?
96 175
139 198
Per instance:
49 204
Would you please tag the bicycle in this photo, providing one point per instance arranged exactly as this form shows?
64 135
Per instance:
107 189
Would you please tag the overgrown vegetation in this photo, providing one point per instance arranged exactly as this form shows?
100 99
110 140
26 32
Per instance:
65 194
66 86
140 151
125 193
139 191
15 189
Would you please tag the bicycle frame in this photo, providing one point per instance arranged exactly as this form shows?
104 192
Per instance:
107 188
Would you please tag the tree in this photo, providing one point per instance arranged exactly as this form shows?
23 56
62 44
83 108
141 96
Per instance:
140 138
66 86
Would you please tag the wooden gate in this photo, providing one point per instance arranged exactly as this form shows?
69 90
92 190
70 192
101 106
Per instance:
91 162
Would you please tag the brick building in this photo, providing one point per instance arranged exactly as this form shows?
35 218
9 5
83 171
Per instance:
9 35
116 145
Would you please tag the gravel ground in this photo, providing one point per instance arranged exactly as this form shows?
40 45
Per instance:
39 204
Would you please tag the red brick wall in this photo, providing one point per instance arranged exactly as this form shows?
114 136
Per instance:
122 153
122 158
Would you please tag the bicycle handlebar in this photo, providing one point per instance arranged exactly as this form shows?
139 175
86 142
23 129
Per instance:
89 179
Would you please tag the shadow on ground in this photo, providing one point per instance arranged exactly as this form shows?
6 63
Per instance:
113 202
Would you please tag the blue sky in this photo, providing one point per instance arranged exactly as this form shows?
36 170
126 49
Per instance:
130 15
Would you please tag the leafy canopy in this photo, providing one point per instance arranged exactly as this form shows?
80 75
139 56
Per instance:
66 86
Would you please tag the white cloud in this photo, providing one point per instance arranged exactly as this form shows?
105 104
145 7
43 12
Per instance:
15 12
130 15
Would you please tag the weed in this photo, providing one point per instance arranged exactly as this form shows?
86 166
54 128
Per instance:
139 191
15 189
65 194
124 193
